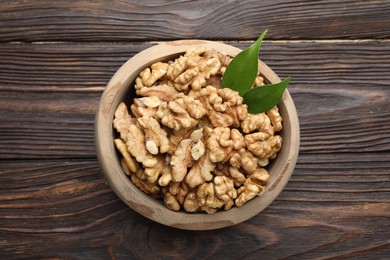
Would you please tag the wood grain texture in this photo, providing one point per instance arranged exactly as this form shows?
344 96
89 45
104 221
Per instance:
56 58
46 20
63 209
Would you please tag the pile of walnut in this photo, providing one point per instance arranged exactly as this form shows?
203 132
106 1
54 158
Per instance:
191 142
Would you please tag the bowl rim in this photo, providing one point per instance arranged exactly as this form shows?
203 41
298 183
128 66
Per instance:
120 84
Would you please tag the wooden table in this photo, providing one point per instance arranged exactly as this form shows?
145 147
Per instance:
56 58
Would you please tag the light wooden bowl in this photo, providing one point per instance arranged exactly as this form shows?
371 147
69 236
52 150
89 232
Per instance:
119 89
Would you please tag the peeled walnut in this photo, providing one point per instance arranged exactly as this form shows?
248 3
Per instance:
253 186
136 146
264 144
260 124
276 119
174 195
247 192
146 106
171 202
177 67
149 76
147 187
193 69
260 176
163 92
252 122
267 127
233 173
122 120
207 198
181 160
191 203
212 196
175 137
237 175
249 162
156 140
179 189
245 160
182 112
200 171
224 106
219 144
224 189
162 168
128 159
266 149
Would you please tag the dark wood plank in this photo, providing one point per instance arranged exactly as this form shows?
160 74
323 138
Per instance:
49 95
64 209
56 205
47 125
61 67
46 20
89 67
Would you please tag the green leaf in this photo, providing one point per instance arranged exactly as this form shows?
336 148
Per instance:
242 70
263 98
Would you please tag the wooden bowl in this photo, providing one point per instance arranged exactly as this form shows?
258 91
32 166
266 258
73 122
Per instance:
118 90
